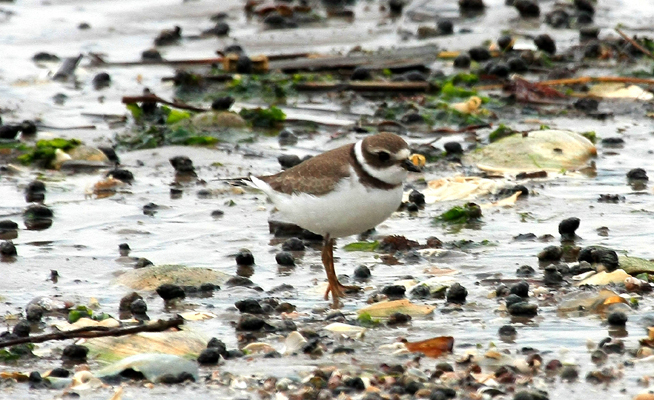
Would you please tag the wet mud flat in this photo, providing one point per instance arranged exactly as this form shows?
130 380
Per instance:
539 295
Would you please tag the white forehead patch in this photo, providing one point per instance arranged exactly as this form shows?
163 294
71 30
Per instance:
393 174
402 154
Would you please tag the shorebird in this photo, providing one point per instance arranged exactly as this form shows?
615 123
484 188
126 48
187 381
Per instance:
342 192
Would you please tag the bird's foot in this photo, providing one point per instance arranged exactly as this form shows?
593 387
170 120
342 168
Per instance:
339 290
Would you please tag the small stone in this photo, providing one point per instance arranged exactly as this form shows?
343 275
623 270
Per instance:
220 29
74 352
222 103
288 160
521 289
637 174
22 329
151 55
586 105
250 306
471 5
244 65
138 306
142 263
456 294
293 244
453 148
479 54
250 323
568 226
126 301
412 207
525 271
394 291
168 36
500 70
589 33
84 26
101 80
43 57
244 257
593 49
584 5
445 27
9 131
523 308
217 344
598 357
507 330
287 138
122 175
285 258
527 8
34 313
617 318
362 273
505 42
545 43
569 373
59 373
361 74
517 64
396 6
168 291
398 319
552 276
209 356
600 255
462 61
420 292
8 249
417 198
550 253
528 395
355 383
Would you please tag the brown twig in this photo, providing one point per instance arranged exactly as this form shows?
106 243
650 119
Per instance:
581 80
365 86
97 60
635 44
151 98
97 331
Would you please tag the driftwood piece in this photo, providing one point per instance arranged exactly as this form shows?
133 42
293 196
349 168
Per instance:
97 331
67 68
151 98
359 86
635 44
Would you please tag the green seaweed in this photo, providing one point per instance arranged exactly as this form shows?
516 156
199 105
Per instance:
361 246
461 214
271 117
44 151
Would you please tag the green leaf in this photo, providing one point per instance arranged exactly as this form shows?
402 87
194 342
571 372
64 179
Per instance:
136 111
79 312
366 320
461 215
361 246
201 141
176 116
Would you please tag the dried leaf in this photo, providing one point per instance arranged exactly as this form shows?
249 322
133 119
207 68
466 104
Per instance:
529 92
386 308
604 278
197 316
434 347
620 91
471 106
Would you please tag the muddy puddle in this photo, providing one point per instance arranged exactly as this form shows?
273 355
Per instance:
204 223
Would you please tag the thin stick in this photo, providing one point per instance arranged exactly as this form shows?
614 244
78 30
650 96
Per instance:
97 60
98 331
635 44
156 99
580 80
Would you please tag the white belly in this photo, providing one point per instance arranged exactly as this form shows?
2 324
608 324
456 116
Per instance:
351 209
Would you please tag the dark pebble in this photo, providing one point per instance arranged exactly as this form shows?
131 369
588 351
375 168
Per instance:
361 74
217 213
398 319
8 249
420 292
244 65
362 273
417 198
28 127
414 76
527 8
355 383
43 56
274 20
293 244
520 289
126 301
209 356
394 291
244 257
74 352
287 138
525 271
617 318
412 207
598 357
343 350
168 36
600 255
150 209
593 49
412 387
445 27
7 224
9 131
479 54
222 103
550 253
517 64
22 329
545 43
584 5
110 152
220 29
613 141
529 395
500 70
101 80
35 187
502 290
182 164
285 258
138 306
142 263
586 104
507 330
569 373
288 160
558 19
471 5
59 373
552 276
584 18
170 379
612 346
523 308
442 393
151 55
462 61
505 42
396 6
233 48
637 174
513 299
217 345
34 313
568 226
36 211
168 291
238 281
456 294
122 174
411 118
250 306
453 148
250 323
589 33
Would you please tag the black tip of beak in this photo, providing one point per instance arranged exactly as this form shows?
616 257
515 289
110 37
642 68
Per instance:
409 166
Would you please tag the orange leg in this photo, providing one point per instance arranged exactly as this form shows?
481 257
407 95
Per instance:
335 287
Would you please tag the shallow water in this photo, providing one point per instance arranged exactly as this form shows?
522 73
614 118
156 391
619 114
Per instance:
82 243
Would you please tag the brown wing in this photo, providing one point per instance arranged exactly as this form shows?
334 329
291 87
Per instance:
317 175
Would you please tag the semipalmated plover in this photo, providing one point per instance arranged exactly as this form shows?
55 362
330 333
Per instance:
342 192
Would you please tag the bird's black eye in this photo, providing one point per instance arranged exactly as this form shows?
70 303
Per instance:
383 156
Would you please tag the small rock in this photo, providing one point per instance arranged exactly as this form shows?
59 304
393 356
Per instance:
182 165
222 103
43 56
529 395
417 198
598 357
168 291
151 55
479 54
168 36
617 318
523 308
396 6
420 292
250 306
525 271
121 174
568 226
584 5
500 70
244 257
552 276
101 80
550 253
34 313
456 294
394 291
507 330
209 356
545 43
637 174
75 352
8 249
220 29
398 319
22 329
462 61
445 27
520 289
138 306
558 19
289 160
586 105
361 74
285 258
569 373
126 301
250 323
217 344
600 255
59 373
517 64
505 43
293 244
527 8
142 263
244 65
471 5
453 148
